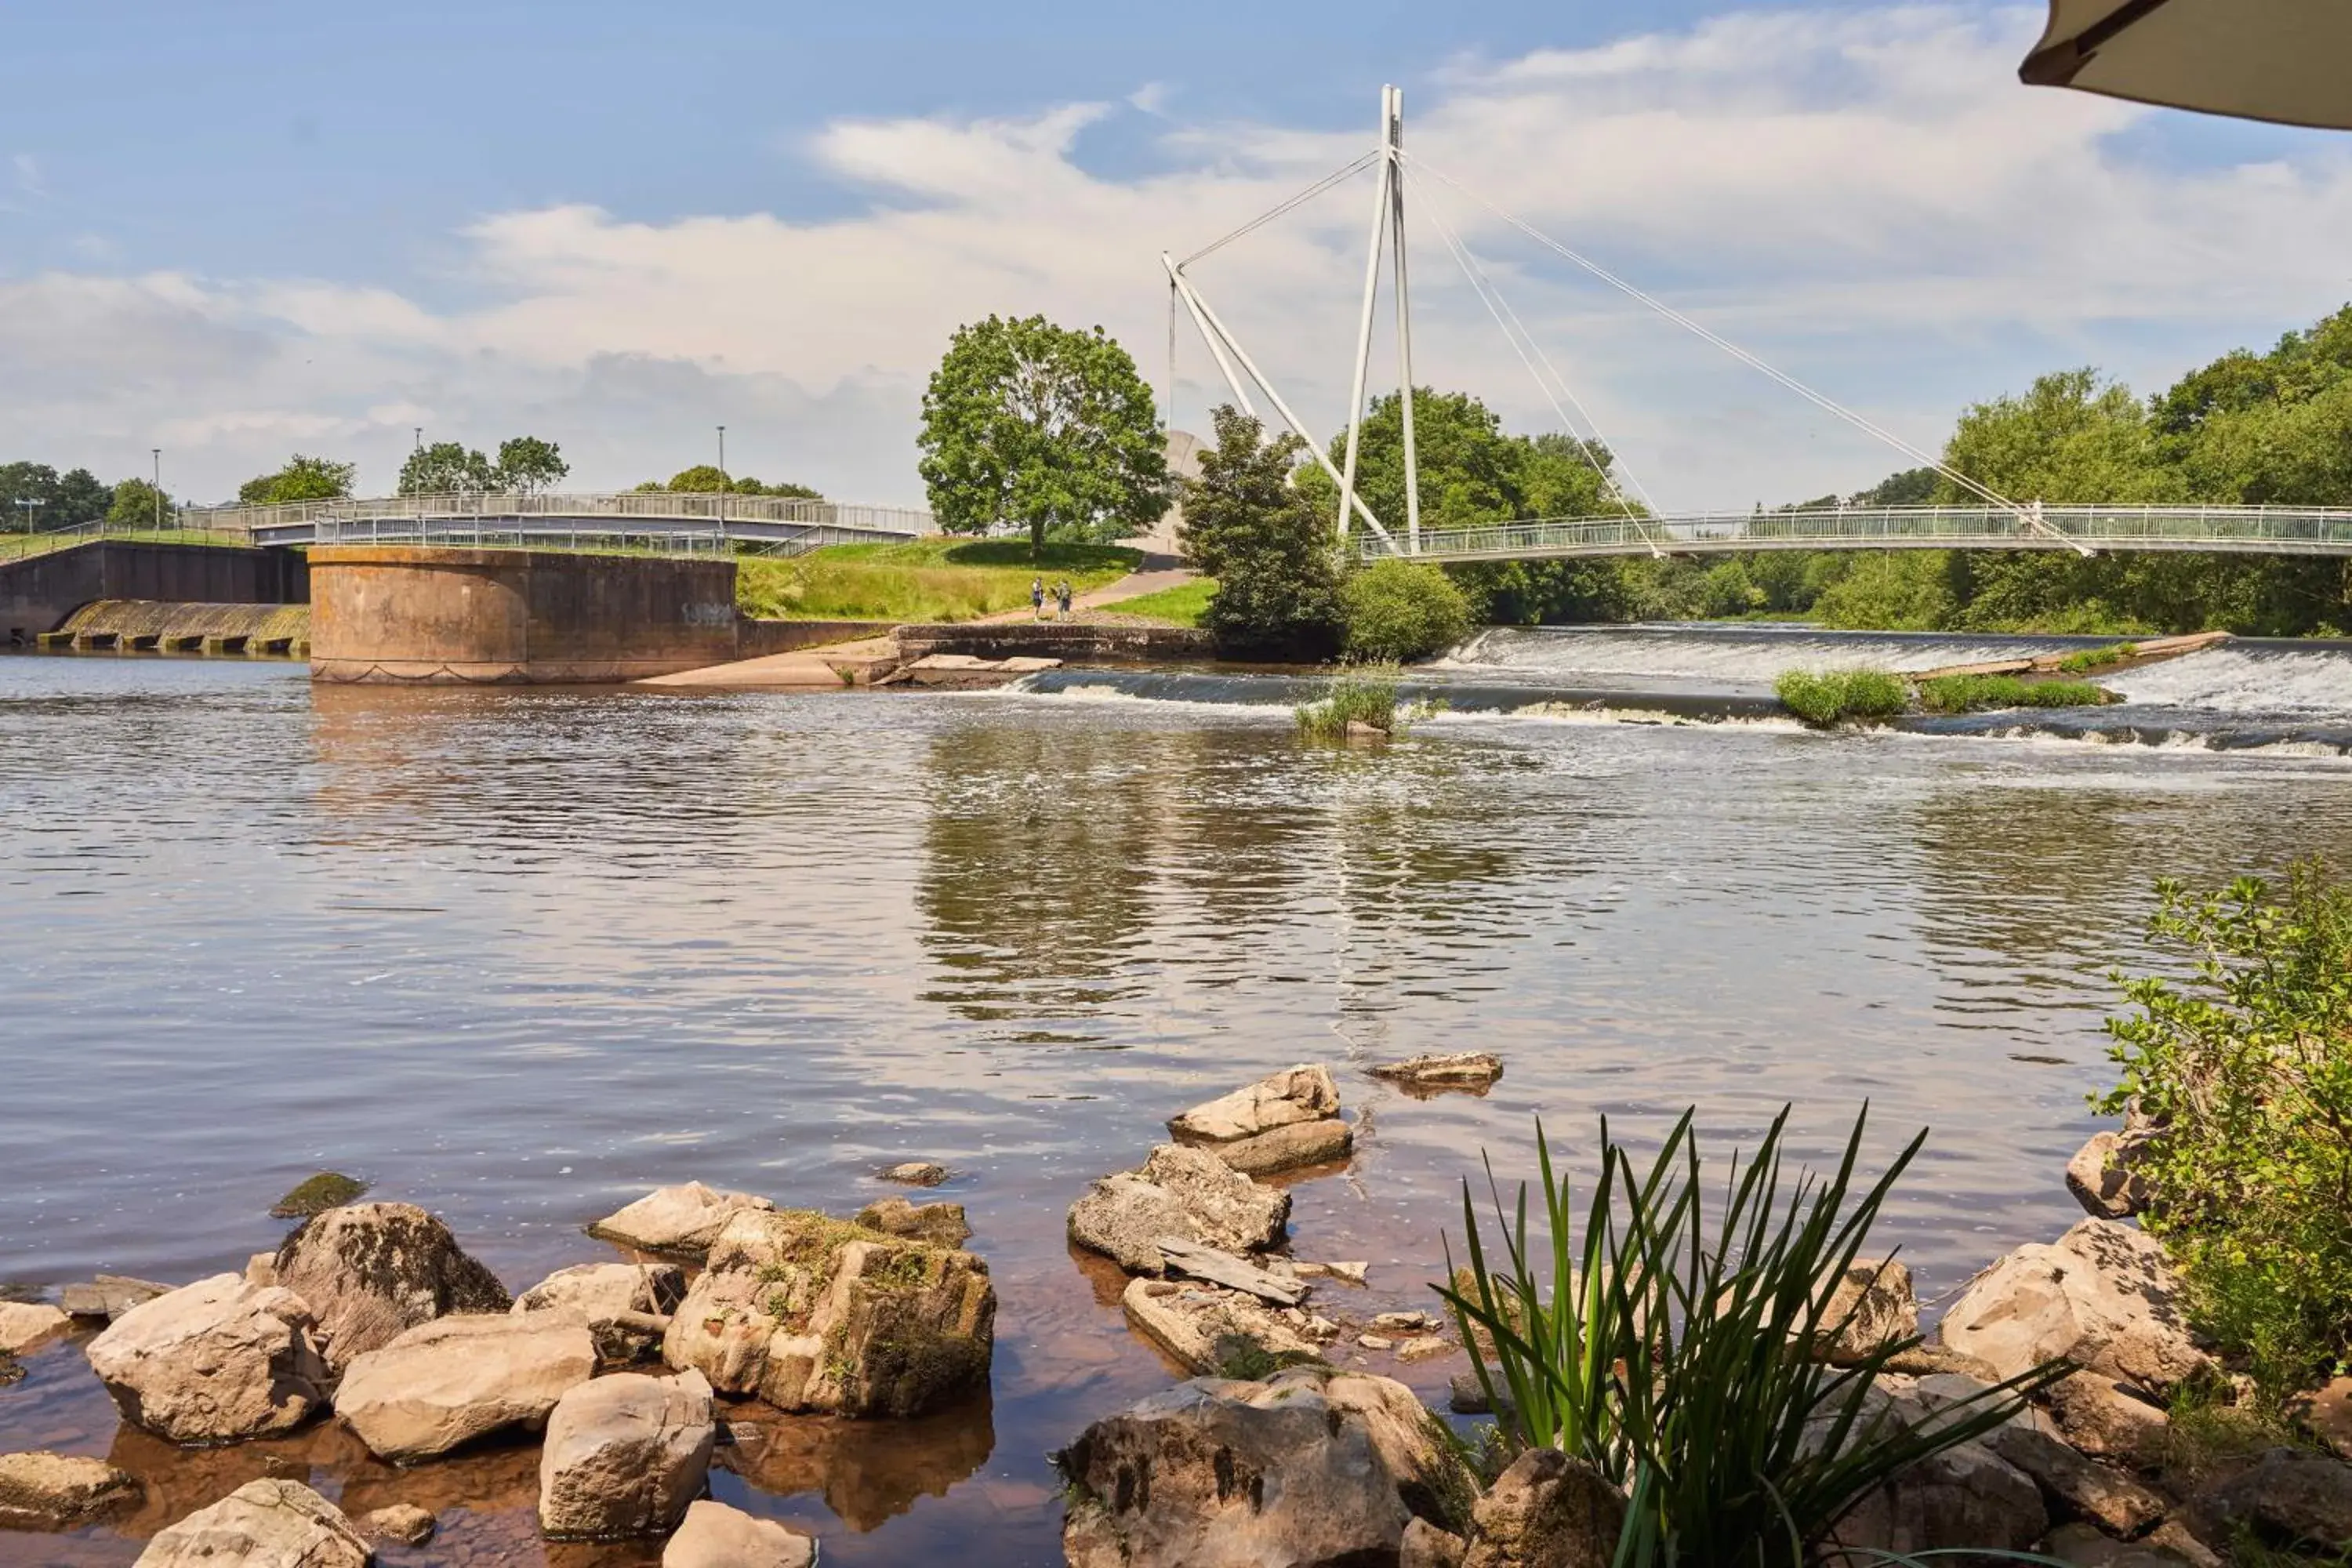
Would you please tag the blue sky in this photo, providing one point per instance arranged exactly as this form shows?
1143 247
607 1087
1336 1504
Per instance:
238 229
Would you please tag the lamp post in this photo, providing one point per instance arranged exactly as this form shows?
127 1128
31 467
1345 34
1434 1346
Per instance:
27 503
159 489
723 482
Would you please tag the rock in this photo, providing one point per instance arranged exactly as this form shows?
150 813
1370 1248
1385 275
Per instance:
1376 1342
2289 1496
1413 1445
717 1536
1475 1071
109 1296
916 1173
2084 1488
1547 1510
1964 1496
626 1305
25 1324
2173 1536
941 1225
214 1361
2101 1177
1403 1322
683 1220
1193 1322
403 1521
59 1492
813 1313
1207 1263
1466 1395
1363 730
2326 1412
2098 1416
317 1195
1179 1192
262 1524
1426 1546
2102 1295
2086 1546
625 1456
452 1380
1275 1124
1216 1473
1422 1347
1868 1305
371 1271
1353 1273
1929 1359
261 1270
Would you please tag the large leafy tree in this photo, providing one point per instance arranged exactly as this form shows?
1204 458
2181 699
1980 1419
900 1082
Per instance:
1262 539
1028 423
530 465
138 504
35 496
708 478
302 478
446 468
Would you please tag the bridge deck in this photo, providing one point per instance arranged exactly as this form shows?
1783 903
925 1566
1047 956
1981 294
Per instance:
2245 531
661 519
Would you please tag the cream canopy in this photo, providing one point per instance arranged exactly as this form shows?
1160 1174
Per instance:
2283 61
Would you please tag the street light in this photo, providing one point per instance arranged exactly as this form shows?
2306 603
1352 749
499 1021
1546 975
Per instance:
29 503
159 489
722 479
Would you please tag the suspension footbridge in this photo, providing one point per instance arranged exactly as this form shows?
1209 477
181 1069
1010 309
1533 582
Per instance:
669 521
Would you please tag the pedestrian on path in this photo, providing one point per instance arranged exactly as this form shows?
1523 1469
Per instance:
1062 592
1036 598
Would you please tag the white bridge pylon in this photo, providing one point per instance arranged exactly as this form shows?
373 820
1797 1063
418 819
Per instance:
1387 244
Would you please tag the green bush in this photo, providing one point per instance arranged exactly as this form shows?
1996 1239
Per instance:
2242 1065
1366 694
1824 698
2093 657
1399 610
1739 1448
1977 693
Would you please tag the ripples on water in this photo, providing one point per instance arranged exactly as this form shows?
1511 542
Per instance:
519 955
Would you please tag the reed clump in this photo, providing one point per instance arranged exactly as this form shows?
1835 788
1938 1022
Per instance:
1822 698
1979 693
1364 694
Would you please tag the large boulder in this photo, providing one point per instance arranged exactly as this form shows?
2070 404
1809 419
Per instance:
1179 1192
61 1492
25 1324
372 1271
214 1361
625 1456
2290 1497
1868 1305
262 1524
2102 1295
1214 1474
942 1225
452 1380
1547 1510
626 1305
717 1536
2099 1414
2073 1484
108 1296
2102 1177
1963 1496
1276 1123
681 1220
813 1313
1200 1325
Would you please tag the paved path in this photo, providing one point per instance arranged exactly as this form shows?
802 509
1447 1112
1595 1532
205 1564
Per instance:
1159 571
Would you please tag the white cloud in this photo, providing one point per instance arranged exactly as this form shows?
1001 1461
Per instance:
1867 197
28 175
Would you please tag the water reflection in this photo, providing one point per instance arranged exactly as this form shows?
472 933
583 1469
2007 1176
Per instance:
867 1472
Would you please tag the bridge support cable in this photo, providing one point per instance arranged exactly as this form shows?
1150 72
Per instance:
1335 177
1219 339
2028 517
1522 342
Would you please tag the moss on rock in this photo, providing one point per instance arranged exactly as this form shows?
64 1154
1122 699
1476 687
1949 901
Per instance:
317 1195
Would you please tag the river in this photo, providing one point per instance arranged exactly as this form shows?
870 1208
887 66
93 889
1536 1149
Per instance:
519 955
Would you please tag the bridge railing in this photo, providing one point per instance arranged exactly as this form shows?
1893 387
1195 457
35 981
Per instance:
668 506
2259 528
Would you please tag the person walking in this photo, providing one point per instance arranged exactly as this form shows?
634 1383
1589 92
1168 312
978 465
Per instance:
1036 598
1062 593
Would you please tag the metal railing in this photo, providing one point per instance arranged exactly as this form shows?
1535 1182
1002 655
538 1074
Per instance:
668 507
2233 530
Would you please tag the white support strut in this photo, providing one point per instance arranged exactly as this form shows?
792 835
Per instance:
1364 321
1392 148
1177 282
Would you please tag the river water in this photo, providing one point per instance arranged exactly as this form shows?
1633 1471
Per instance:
519 955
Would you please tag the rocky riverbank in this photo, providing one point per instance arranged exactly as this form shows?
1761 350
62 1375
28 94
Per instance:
618 1386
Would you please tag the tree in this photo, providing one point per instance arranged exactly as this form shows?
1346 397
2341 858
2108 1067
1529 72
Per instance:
530 465
703 479
1028 423
136 504
79 499
1399 610
1248 527
446 468
302 478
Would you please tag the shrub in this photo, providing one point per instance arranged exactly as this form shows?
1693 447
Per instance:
1399 610
2244 1067
1824 698
2093 657
1977 693
1737 1446
1366 694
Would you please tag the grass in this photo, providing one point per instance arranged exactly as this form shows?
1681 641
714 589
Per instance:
1365 694
1182 605
2093 657
936 579
1827 697
1977 693
23 546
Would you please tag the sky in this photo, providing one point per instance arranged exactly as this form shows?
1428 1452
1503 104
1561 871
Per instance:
245 228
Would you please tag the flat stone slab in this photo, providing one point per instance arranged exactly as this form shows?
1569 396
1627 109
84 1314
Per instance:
1234 1273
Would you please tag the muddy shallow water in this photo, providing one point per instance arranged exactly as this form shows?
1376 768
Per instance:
519 956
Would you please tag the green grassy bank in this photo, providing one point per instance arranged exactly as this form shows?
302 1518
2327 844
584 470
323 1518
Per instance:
935 579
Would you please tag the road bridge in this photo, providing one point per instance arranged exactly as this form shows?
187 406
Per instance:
666 520
2087 529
